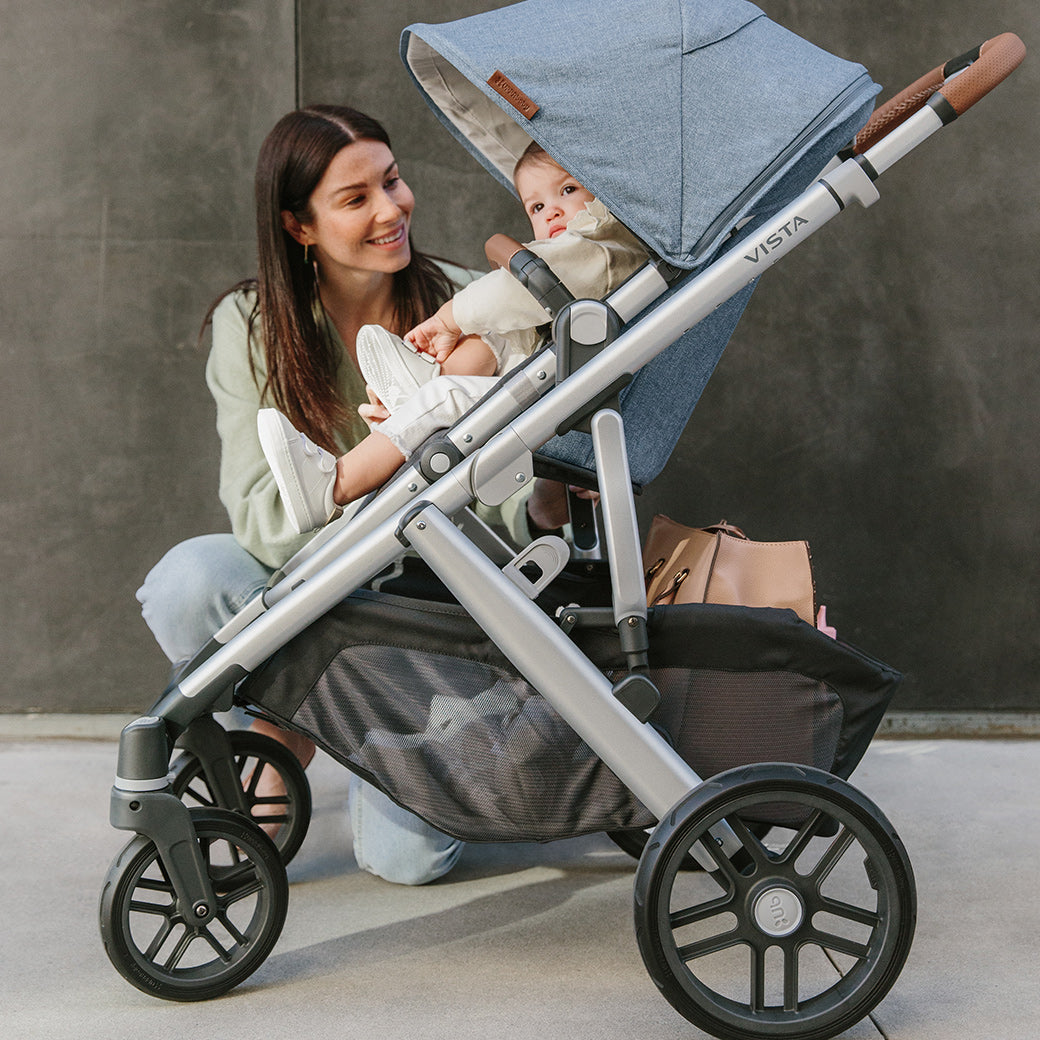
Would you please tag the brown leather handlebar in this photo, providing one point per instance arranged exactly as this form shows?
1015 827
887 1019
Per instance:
997 59
500 249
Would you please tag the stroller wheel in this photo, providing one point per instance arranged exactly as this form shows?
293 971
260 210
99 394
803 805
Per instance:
285 818
148 939
800 935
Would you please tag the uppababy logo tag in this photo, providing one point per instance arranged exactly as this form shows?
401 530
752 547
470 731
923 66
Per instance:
503 85
776 239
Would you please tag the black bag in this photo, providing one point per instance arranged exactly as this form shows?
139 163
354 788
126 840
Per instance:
414 697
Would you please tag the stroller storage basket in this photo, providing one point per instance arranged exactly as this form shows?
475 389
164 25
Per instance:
414 697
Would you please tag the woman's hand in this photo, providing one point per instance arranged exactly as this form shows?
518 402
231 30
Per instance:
437 335
375 411
547 506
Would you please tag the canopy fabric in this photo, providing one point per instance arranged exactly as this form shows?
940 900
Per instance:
682 116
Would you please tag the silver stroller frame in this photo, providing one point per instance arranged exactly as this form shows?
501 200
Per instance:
486 457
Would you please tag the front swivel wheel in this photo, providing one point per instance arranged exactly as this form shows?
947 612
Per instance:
799 935
155 947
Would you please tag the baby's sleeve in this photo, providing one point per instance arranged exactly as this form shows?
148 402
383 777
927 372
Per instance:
498 303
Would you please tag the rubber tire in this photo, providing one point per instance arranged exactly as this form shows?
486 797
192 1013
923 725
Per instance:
260 933
863 986
245 743
634 841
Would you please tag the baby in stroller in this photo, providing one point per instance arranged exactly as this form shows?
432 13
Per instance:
424 382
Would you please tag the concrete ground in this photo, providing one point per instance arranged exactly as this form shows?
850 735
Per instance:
525 942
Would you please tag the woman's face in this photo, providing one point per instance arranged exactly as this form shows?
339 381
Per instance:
360 212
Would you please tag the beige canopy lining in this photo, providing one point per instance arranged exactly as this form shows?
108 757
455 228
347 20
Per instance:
476 116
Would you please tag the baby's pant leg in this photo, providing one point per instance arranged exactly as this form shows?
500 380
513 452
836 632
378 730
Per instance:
436 405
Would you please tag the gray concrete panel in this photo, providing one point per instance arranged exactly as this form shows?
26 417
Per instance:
129 140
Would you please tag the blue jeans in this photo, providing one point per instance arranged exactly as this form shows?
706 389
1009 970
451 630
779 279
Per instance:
193 591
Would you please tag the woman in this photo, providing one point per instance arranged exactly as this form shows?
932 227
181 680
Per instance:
335 253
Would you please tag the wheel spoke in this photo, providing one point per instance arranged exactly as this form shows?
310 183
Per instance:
839 943
842 840
758 978
155 885
700 912
750 841
722 861
224 955
158 939
805 834
790 977
282 817
162 910
203 799
713 944
238 936
218 872
857 914
179 950
236 895
254 777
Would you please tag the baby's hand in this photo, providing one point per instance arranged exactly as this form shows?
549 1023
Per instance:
375 411
436 336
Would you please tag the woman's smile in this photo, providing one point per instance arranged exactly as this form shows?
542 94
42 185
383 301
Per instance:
391 239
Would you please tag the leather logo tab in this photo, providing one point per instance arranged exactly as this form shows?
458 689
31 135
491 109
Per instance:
503 85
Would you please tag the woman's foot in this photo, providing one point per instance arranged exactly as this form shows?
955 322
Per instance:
391 366
304 472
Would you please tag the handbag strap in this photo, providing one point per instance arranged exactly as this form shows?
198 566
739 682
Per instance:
722 527
668 593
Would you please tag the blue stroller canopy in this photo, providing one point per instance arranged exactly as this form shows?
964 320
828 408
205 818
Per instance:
683 116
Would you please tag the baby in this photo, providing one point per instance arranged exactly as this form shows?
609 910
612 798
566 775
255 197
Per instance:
426 381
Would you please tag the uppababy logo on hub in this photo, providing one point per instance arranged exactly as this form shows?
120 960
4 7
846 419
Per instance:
776 239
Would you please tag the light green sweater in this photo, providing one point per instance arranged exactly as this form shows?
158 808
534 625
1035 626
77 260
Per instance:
247 487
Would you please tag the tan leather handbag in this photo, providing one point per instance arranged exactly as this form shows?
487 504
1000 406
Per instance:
720 564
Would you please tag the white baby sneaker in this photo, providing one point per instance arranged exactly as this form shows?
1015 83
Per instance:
305 473
391 366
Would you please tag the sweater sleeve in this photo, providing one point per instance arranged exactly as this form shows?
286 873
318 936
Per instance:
247 487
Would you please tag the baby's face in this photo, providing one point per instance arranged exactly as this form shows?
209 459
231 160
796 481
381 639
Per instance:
551 196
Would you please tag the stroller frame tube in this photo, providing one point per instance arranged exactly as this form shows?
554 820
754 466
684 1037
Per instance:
574 686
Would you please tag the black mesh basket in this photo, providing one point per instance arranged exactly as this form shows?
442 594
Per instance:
414 697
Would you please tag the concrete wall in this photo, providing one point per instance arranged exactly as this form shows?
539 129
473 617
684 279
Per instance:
129 135
878 398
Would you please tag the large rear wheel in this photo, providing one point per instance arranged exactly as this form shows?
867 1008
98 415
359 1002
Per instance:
799 935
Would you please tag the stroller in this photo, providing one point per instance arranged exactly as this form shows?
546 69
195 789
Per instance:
536 696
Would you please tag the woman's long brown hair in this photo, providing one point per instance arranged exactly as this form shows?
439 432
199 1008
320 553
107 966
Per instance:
301 357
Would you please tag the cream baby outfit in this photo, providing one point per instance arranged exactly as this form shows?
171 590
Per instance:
592 257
